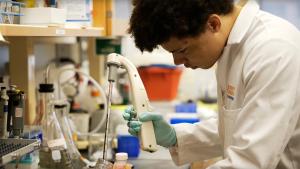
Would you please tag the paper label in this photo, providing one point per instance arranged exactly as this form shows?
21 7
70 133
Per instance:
77 10
19 112
60 31
56 143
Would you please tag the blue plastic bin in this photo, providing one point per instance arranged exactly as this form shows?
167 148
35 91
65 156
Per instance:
184 120
186 108
129 144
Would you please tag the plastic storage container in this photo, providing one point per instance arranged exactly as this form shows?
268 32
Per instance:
161 81
186 108
129 144
175 118
184 120
43 16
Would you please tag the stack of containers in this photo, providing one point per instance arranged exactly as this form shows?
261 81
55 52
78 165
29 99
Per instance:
185 113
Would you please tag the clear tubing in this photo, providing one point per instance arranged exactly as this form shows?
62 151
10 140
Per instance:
66 129
101 123
78 162
58 133
47 117
47 72
63 121
107 121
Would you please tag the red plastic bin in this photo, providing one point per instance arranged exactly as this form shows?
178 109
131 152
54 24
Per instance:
161 83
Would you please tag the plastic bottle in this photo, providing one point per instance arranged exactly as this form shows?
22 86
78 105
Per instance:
121 161
15 111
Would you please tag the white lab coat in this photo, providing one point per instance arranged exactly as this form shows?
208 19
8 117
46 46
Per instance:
258 79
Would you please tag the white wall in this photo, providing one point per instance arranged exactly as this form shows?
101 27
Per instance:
138 58
288 9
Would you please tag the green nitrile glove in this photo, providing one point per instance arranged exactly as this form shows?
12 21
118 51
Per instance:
164 133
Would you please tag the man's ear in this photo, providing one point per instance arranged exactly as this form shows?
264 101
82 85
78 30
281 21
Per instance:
214 23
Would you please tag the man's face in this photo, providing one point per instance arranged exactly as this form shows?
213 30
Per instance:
201 51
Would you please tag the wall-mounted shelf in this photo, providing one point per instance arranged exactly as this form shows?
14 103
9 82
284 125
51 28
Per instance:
48 31
21 40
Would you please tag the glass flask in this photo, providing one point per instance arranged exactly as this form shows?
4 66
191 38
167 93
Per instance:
62 110
53 151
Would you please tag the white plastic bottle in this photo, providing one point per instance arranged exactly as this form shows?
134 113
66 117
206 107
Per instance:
121 161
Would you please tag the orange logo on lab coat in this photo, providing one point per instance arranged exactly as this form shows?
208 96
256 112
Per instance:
230 92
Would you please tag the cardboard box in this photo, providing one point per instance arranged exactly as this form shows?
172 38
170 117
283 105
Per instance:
43 16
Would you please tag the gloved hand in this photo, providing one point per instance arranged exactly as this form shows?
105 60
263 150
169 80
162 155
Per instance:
164 133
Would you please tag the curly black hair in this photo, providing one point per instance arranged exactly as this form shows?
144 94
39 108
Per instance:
154 22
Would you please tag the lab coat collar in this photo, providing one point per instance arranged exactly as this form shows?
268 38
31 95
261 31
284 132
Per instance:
243 22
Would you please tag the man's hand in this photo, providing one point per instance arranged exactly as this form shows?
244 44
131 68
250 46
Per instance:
164 133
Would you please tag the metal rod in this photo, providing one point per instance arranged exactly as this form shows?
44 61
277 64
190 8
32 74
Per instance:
107 120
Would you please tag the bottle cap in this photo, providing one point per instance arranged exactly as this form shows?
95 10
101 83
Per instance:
121 156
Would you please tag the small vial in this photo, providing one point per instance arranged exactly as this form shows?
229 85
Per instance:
121 161
129 166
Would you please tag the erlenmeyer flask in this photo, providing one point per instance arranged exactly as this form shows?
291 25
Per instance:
62 110
52 134
52 153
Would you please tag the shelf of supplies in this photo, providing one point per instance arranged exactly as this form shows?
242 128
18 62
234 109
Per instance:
48 31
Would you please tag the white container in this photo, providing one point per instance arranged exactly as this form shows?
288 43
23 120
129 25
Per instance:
79 12
43 16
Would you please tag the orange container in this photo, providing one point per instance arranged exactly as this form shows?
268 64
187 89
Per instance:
161 83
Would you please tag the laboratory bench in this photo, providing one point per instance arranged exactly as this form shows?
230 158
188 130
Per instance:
161 159
157 164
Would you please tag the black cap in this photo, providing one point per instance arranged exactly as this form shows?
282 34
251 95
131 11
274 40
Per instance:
46 88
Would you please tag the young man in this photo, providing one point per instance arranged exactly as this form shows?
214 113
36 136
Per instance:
258 76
